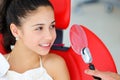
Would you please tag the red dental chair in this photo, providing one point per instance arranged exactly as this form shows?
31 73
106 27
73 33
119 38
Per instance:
101 56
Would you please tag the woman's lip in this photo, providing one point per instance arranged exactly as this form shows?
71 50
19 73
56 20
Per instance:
45 45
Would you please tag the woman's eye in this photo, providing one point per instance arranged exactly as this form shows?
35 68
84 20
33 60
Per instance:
52 26
39 28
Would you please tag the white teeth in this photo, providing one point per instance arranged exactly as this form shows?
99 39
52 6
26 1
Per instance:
44 44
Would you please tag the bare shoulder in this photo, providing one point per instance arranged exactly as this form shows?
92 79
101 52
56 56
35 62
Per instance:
56 67
54 59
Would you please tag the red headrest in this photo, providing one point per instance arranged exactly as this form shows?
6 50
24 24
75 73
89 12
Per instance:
62 13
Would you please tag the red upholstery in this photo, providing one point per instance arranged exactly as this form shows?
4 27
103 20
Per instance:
2 50
101 58
62 13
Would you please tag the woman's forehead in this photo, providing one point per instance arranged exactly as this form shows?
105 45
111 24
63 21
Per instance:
41 15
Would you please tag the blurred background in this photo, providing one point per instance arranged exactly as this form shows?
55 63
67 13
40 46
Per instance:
103 18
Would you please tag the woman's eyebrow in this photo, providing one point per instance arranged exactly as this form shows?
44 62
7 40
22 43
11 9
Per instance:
38 24
43 23
53 22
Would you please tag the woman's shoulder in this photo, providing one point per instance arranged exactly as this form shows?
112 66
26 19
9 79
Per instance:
54 58
53 61
56 66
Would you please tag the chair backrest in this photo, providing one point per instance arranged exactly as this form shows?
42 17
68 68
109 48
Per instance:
62 13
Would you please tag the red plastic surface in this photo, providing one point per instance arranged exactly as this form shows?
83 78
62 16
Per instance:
2 50
62 13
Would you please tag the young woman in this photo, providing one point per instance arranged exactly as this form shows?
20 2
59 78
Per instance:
29 25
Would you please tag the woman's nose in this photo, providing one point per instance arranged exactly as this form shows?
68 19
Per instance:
48 35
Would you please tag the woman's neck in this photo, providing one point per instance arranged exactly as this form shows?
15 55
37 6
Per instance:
21 59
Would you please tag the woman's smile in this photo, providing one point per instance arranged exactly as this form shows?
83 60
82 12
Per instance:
45 45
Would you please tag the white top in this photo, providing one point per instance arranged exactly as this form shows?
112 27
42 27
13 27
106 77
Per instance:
33 74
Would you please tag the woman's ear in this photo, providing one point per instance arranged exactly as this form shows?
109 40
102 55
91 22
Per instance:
14 30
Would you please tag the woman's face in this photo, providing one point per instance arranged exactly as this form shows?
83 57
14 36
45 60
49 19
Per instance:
38 30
